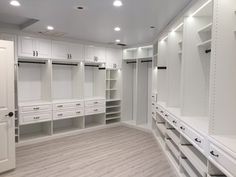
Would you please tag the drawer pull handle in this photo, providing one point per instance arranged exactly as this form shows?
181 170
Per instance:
59 114
182 128
95 102
153 96
78 112
157 108
162 111
153 104
166 115
36 108
95 109
60 106
197 140
174 122
215 155
36 118
78 104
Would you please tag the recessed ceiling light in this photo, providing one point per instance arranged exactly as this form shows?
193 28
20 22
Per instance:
15 3
117 3
117 40
117 29
50 28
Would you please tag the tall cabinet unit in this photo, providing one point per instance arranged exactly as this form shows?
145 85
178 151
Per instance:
137 71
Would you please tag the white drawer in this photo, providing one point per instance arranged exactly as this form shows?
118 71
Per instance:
28 118
67 114
75 105
35 108
92 103
220 157
193 136
95 110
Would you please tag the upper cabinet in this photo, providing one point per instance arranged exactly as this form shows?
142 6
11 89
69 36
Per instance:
113 58
33 47
63 50
95 54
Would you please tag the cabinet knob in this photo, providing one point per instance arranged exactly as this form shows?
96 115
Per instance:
36 108
37 53
182 128
33 53
174 121
10 114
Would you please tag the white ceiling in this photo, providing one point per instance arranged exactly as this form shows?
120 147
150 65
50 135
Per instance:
97 21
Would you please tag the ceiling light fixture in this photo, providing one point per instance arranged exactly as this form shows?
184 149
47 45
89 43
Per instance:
50 28
198 10
117 40
117 3
15 3
178 27
117 29
164 38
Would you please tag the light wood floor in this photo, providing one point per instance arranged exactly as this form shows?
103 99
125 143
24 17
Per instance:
112 152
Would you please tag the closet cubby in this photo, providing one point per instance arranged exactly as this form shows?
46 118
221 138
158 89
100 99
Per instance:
94 120
33 131
95 82
34 81
67 81
213 171
66 125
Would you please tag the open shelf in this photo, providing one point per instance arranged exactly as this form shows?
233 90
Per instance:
33 131
205 44
161 127
173 148
94 120
189 168
206 28
66 125
174 135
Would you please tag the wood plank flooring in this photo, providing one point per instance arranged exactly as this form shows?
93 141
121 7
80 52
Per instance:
112 152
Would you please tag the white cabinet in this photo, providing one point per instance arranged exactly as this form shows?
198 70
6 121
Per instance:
33 47
63 50
94 54
113 58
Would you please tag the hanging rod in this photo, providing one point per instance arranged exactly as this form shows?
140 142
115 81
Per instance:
161 67
130 62
32 62
65 64
146 61
208 51
91 65
103 68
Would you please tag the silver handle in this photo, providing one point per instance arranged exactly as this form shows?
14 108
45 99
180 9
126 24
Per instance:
36 108
60 106
36 118
60 115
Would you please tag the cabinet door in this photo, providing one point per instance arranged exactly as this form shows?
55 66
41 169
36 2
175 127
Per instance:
99 54
113 58
26 46
59 50
43 48
76 51
89 53
7 118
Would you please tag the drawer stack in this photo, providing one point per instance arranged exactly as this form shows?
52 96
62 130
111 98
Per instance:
35 113
94 107
65 110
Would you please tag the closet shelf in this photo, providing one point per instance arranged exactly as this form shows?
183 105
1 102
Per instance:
205 44
112 100
115 106
206 28
113 118
115 112
188 167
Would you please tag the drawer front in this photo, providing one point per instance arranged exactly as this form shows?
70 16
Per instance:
67 114
35 108
28 118
193 136
223 159
74 105
92 103
95 110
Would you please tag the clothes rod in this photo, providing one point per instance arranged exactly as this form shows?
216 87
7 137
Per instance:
65 64
32 62
208 51
146 61
92 65
102 68
161 67
131 62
